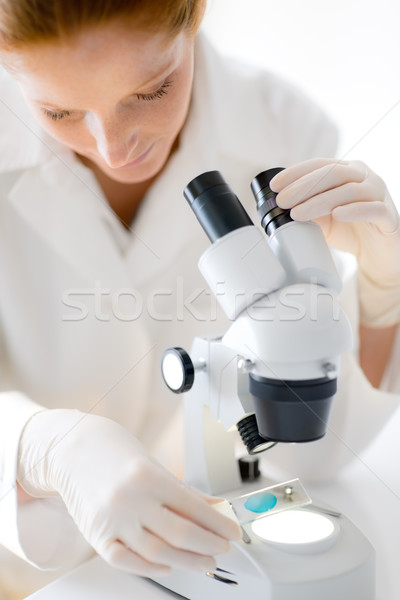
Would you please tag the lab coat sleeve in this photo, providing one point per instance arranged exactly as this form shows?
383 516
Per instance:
40 531
359 414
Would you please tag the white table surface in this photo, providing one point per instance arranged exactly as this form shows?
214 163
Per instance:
368 493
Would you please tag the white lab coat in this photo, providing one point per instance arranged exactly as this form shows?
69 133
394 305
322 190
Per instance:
87 308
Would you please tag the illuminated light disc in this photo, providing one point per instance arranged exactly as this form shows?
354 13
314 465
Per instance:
293 527
173 371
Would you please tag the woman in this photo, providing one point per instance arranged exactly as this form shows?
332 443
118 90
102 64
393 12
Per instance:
108 110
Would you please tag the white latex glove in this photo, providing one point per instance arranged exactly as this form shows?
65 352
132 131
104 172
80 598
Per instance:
354 208
134 513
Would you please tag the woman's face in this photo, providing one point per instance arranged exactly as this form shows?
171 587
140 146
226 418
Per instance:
116 95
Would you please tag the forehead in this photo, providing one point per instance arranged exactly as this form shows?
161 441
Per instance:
106 57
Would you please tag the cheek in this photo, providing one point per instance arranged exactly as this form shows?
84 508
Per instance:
73 135
165 121
171 113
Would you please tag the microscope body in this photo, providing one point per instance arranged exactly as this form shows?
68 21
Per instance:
271 376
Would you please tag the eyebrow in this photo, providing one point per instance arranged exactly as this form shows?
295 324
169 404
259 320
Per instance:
158 77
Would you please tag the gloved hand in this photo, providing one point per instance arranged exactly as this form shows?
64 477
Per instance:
354 208
134 513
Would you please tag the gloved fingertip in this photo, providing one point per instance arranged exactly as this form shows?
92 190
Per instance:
224 508
283 201
298 214
224 547
277 183
206 564
238 533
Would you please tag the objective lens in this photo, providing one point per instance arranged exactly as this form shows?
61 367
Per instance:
292 411
253 442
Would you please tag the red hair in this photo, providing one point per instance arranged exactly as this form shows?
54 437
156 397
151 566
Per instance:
32 21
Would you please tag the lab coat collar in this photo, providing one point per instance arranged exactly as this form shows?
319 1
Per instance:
23 143
50 201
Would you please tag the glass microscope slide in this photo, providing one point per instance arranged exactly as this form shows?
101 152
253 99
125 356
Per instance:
269 500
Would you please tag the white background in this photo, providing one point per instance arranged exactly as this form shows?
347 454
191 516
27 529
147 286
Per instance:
344 53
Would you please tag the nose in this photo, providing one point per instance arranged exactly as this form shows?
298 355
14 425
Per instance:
115 140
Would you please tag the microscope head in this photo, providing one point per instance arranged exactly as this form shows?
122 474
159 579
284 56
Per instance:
294 356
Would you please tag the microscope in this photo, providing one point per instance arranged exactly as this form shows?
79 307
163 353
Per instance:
271 378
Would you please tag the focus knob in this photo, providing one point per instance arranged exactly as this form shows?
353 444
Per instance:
177 370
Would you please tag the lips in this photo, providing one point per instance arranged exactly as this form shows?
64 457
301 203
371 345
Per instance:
139 159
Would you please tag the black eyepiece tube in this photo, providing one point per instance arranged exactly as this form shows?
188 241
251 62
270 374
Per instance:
216 207
270 214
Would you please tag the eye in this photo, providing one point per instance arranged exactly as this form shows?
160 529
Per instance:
162 91
55 116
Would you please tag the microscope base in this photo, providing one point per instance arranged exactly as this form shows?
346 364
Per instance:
261 571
